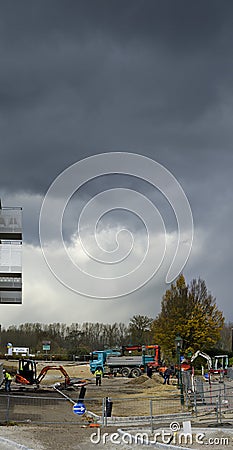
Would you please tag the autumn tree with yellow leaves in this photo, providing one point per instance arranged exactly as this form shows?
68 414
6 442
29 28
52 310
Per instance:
191 311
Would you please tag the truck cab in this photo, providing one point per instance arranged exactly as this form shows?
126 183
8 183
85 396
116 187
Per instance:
98 358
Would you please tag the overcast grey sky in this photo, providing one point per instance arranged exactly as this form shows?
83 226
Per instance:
151 77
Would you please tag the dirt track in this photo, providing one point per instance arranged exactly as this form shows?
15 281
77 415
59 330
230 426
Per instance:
69 438
77 438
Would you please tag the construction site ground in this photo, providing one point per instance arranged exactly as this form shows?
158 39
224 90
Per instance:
111 386
76 435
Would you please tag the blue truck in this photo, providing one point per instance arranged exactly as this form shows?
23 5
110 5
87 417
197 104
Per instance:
114 362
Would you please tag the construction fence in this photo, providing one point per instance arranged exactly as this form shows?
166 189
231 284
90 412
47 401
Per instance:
211 401
205 402
34 409
48 410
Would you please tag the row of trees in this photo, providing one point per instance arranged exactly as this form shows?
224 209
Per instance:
77 338
186 309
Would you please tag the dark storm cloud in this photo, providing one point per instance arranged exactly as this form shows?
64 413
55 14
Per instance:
151 77
78 78
134 19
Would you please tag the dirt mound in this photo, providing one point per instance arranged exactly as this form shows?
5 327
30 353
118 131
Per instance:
156 379
147 382
139 380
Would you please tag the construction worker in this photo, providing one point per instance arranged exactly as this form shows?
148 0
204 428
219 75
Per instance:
149 371
167 375
98 375
8 380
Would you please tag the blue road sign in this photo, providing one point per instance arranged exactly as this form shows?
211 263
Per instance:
79 408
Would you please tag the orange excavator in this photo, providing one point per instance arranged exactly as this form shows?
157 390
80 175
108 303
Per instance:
27 374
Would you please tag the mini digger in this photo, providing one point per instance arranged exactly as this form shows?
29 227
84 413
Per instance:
27 375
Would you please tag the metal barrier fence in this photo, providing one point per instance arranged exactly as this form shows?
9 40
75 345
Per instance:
211 401
144 408
140 406
230 373
216 403
38 409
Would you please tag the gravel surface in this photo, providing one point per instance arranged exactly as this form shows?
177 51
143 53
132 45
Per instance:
51 438
75 437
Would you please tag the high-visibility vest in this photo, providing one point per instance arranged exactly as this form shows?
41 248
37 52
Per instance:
98 372
8 376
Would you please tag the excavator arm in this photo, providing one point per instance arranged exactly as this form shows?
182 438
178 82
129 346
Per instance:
45 369
203 355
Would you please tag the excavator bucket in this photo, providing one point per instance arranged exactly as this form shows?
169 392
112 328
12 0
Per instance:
20 379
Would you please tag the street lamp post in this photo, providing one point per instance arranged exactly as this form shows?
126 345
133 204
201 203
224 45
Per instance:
144 357
178 343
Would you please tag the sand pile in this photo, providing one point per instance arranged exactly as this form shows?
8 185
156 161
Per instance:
139 380
146 382
152 382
